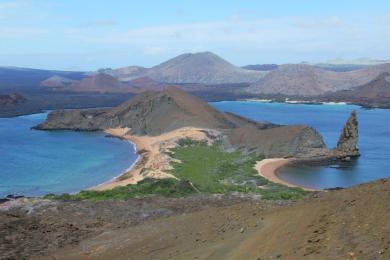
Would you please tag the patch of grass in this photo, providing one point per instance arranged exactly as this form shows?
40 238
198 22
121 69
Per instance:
211 169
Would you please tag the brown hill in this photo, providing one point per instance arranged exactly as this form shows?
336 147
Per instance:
57 83
157 112
141 84
307 80
376 93
201 68
11 99
149 113
126 73
100 82
379 88
204 67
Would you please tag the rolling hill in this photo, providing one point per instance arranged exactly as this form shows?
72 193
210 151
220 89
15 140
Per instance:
308 80
24 78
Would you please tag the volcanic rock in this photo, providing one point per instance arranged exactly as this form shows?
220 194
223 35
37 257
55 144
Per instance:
157 112
347 145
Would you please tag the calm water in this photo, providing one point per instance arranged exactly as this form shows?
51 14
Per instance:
38 162
35 162
374 142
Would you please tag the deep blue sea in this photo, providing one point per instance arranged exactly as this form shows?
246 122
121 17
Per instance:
374 140
35 162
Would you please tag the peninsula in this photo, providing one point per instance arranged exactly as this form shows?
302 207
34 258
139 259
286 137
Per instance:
156 120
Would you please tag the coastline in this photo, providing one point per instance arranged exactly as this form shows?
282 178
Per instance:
127 171
152 161
268 168
130 175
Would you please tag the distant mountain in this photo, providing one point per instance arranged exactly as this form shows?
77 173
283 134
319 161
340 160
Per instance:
22 78
144 83
57 83
200 68
261 67
11 99
204 68
100 82
308 80
341 67
126 73
374 93
360 61
105 83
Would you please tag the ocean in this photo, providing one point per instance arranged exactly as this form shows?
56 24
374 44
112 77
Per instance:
374 139
34 163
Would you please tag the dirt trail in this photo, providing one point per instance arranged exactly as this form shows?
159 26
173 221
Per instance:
346 224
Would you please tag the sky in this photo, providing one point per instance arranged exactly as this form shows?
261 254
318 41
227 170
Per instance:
93 34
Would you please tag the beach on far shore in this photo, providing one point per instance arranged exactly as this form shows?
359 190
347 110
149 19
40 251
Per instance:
268 168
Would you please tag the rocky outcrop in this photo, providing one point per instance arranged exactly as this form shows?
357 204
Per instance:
298 141
347 145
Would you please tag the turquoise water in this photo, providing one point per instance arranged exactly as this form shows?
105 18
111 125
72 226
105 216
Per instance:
374 142
35 163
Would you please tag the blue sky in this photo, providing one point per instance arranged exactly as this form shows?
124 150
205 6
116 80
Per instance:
87 34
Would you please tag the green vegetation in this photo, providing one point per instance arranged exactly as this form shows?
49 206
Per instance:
211 169
165 187
201 168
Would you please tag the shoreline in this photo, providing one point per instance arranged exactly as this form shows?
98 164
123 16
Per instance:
131 171
128 169
151 161
268 168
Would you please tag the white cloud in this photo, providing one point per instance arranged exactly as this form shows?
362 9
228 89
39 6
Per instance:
270 33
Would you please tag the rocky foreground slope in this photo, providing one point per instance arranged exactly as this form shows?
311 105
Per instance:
157 112
346 224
